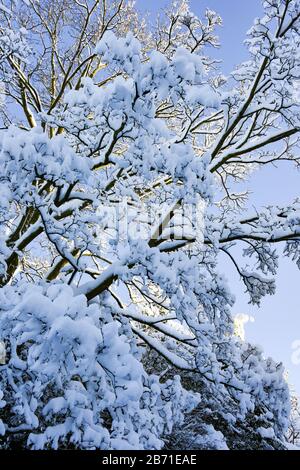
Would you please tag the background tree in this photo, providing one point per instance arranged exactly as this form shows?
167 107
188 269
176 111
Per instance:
293 432
118 193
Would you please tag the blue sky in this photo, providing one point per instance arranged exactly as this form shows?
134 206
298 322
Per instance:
277 322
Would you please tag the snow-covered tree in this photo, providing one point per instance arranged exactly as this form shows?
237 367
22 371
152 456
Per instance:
293 432
121 150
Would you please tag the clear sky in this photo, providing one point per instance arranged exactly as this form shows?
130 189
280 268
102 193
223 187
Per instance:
277 322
